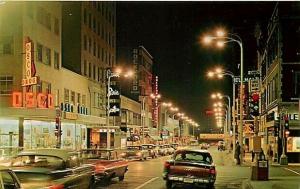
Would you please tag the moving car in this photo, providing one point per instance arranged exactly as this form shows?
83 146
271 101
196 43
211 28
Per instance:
107 164
52 168
174 145
153 152
190 166
9 179
136 152
169 149
162 151
194 143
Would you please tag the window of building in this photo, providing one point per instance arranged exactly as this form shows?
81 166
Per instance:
94 48
83 99
56 26
90 70
90 45
39 49
98 51
56 60
102 54
94 72
84 68
90 20
6 45
84 42
99 74
94 24
6 84
84 15
98 29
43 17
113 41
39 87
78 98
47 56
66 95
72 97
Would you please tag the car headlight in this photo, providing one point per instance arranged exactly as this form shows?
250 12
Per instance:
139 154
123 154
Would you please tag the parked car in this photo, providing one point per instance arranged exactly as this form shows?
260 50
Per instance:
190 166
9 179
153 152
107 164
136 152
52 168
194 143
174 145
221 145
169 149
204 146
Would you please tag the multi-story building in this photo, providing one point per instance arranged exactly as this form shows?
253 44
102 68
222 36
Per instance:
279 65
89 49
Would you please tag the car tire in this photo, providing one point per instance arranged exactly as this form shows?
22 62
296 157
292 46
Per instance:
121 178
211 186
91 184
169 184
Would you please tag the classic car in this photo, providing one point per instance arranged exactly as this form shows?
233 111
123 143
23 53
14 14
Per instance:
136 152
190 166
153 152
175 145
8 179
162 151
107 164
221 145
204 146
52 168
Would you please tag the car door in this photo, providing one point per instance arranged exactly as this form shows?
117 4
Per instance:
8 180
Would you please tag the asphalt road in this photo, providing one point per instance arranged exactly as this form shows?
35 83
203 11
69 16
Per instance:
148 174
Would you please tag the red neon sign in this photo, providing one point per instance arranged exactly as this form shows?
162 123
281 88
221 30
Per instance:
31 100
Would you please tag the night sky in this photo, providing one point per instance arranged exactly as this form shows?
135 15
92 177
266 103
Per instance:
170 31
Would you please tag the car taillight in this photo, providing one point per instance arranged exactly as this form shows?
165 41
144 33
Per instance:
212 171
57 186
167 165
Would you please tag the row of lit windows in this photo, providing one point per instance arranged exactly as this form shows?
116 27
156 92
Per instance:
74 98
103 10
44 55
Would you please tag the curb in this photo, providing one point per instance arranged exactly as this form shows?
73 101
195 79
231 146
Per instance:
246 184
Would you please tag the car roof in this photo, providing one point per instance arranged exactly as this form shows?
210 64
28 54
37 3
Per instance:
193 150
60 153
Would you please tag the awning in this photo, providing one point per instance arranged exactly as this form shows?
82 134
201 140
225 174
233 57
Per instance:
155 137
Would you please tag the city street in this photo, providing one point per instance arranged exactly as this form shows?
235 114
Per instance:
148 174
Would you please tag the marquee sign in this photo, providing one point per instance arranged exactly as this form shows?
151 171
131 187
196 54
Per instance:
30 78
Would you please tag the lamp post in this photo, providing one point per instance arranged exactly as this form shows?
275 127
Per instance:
109 75
220 73
220 35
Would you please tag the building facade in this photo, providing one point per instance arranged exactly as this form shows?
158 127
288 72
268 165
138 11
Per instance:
279 65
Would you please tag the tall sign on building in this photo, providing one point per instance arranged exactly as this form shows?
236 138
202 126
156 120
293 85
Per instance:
135 80
155 104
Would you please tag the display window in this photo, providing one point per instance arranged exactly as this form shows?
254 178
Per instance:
9 133
293 144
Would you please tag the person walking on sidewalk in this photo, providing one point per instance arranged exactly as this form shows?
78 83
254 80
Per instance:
237 153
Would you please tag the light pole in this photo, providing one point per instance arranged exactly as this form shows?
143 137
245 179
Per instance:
226 39
110 92
220 73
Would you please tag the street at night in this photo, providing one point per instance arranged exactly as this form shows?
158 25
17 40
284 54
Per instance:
149 94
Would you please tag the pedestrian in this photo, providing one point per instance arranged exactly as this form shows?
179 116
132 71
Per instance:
237 153
231 147
253 155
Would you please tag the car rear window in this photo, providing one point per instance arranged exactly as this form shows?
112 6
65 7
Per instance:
193 156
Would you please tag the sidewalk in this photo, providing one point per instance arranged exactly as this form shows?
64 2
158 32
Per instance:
291 182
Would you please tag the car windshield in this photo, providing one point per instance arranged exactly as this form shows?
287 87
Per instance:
193 157
134 147
50 162
96 154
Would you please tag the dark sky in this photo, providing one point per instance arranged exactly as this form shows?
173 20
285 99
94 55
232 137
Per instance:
170 31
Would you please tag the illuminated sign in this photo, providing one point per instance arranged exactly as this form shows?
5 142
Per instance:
135 81
30 78
32 100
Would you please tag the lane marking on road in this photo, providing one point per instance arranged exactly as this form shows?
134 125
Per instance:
149 181
292 171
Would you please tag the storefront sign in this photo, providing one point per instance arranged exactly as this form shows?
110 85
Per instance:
30 78
32 100
70 115
135 81
114 109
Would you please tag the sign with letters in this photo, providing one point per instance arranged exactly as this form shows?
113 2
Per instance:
32 100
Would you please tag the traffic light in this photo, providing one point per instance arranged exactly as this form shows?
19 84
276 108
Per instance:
276 129
254 104
286 122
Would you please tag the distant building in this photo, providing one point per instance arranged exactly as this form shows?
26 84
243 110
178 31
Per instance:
279 65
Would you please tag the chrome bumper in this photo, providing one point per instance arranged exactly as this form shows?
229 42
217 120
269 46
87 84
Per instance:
189 180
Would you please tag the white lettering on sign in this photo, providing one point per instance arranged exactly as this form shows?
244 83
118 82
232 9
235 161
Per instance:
114 109
28 60
112 92
29 81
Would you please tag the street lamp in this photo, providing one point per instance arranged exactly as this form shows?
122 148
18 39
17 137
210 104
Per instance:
226 39
110 91
220 96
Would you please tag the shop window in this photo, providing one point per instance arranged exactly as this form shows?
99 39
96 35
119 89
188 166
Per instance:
56 26
90 70
66 95
6 45
6 84
94 48
90 45
39 52
72 97
56 60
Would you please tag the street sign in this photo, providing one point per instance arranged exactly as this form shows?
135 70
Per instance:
238 79
253 72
